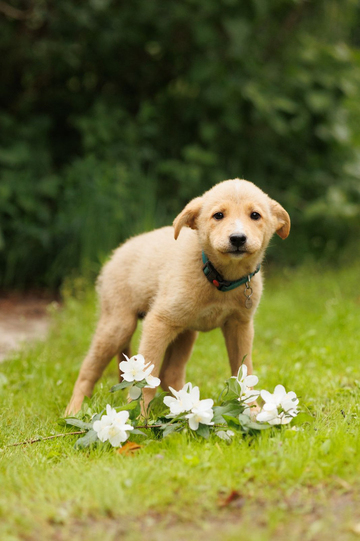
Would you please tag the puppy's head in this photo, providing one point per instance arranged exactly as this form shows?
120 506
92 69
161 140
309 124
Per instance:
234 220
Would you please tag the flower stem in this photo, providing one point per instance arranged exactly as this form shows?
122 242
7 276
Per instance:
26 442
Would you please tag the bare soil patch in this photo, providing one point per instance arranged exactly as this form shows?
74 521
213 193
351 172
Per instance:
23 318
334 518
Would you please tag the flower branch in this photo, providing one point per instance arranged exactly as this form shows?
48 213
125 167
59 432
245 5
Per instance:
184 410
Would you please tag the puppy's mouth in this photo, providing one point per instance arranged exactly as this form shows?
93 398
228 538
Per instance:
237 252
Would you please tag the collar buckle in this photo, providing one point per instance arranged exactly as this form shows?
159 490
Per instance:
213 276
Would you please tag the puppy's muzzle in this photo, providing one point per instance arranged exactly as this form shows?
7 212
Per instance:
238 241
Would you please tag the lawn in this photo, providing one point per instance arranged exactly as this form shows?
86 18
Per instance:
280 484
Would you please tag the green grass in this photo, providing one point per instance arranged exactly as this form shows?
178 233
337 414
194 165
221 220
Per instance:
291 485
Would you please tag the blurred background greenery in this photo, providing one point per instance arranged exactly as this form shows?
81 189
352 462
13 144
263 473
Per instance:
115 113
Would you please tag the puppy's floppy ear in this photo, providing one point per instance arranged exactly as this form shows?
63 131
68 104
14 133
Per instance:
282 219
188 216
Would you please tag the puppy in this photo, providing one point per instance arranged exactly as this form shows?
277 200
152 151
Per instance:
208 276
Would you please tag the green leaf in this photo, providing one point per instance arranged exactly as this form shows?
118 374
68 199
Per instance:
158 400
128 406
232 389
97 417
169 429
248 423
233 408
230 420
203 431
234 386
133 408
120 386
140 384
72 421
139 432
88 439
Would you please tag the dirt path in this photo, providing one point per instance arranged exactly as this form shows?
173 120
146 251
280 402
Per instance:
22 318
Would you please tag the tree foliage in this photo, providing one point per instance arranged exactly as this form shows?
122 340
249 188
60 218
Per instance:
114 114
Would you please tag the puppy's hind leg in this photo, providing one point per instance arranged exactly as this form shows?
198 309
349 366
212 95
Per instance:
111 336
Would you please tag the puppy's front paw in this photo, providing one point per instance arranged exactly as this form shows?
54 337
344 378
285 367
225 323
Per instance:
74 406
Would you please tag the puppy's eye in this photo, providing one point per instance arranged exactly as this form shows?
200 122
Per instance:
255 216
218 216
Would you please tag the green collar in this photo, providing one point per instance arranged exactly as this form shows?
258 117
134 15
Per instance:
218 281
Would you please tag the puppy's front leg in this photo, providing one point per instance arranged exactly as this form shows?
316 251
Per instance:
239 337
157 334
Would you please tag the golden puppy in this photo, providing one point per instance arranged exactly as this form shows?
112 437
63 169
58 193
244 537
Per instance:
206 277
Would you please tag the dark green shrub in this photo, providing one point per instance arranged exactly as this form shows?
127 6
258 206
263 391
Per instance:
114 114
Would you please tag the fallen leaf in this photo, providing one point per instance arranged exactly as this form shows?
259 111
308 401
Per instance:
234 499
129 448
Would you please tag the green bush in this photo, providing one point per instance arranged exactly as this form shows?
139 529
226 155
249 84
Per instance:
114 114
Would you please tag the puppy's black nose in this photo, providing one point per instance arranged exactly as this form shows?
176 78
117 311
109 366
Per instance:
238 240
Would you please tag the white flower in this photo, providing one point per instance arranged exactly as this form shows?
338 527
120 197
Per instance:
247 395
188 400
269 416
135 369
184 399
279 400
201 413
112 426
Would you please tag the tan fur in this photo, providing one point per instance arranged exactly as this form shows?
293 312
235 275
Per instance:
157 275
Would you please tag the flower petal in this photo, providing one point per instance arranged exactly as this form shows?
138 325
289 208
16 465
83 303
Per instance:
193 422
251 381
266 416
109 410
139 376
117 437
139 359
122 416
127 428
124 366
168 400
279 391
268 397
175 393
152 382
204 405
127 376
103 434
242 373
148 370
275 421
269 406
194 395
250 396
